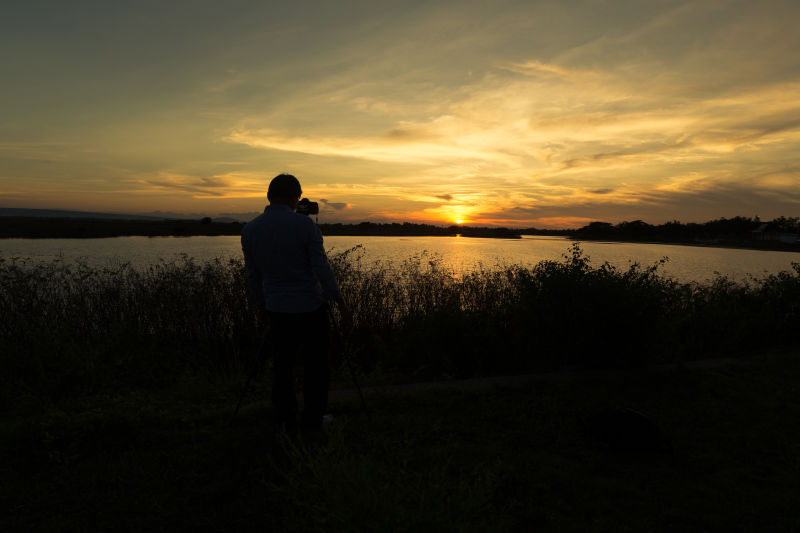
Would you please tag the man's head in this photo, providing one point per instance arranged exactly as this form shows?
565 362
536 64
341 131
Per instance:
284 189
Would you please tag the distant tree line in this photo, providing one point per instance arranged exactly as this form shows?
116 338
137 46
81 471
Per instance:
722 229
373 228
728 230
412 229
93 228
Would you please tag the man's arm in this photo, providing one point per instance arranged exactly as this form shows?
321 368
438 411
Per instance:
330 289
255 292
321 267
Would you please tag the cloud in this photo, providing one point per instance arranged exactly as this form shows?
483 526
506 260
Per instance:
521 128
539 69
336 206
405 149
185 184
567 108
229 185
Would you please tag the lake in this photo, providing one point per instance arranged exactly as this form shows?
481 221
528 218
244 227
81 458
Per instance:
686 263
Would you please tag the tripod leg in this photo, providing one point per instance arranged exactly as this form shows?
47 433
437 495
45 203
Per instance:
345 356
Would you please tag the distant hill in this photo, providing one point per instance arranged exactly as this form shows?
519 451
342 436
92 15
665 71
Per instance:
152 217
77 227
61 213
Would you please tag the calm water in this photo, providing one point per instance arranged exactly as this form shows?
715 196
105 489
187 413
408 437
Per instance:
686 263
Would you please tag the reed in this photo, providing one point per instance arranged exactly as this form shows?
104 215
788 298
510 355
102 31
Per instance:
73 329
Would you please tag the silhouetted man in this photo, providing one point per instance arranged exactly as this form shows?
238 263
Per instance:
291 281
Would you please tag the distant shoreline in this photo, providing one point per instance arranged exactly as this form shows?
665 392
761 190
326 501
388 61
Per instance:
763 246
99 228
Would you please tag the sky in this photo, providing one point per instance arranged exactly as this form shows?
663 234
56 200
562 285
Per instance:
511 113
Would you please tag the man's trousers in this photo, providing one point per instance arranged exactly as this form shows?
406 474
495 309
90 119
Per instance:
305 335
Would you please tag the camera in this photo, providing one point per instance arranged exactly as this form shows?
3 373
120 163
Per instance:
307 207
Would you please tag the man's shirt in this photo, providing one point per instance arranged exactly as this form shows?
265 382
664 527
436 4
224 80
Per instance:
287 269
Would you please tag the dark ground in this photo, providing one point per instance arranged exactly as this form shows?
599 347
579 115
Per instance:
513 457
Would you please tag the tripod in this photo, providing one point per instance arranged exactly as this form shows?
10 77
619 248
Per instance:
348 362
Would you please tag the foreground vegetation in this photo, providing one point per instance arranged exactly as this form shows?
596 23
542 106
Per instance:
118 387
72 329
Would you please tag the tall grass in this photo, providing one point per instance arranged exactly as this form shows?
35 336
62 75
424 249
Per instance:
71 329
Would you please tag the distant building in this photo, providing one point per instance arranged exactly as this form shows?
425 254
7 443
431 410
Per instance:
771 232
766 232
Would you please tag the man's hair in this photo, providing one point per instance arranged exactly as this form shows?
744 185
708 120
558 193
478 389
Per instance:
284 187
